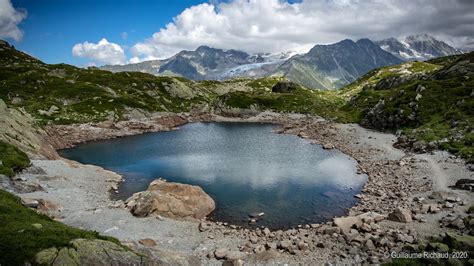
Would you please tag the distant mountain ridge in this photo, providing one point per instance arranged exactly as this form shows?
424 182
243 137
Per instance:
335 65
323 67
417 47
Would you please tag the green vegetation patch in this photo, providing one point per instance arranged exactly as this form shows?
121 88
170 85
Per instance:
23 232
11 159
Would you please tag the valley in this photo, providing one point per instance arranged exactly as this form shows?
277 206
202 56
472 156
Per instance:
407 124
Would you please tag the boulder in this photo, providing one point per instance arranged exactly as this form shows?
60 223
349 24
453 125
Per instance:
147 242
171 200
346 223
465 184
400 215
284 87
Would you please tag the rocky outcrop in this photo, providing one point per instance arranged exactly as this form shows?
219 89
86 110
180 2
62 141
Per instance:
90 252
395 81
171 200
284 86
465 184
19 129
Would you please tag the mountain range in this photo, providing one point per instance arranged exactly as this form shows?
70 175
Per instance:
417 47
323 67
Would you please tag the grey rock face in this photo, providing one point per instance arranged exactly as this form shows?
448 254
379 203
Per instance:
417 47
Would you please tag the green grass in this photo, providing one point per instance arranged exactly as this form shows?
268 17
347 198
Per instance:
20 240
12 159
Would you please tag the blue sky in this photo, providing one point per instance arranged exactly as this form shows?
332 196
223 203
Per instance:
53 27
98 32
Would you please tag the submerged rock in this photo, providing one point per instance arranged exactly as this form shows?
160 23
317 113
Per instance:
171 200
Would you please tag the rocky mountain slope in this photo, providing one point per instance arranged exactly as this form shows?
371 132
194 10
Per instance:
206 63
417 47
431 104
335 65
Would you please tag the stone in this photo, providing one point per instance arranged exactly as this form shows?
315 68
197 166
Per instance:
30 203
328 146
266 231
220 253
171 200
284 244
303 246
234 255
253 239
438 247
400 215
369 244
147 242
346 223
204 226
238 262
368 217
434 208
457 223
459 242
425 208
332 230
271 245
320 245
284 87
260 249
256 214
37 226
465 184
365 228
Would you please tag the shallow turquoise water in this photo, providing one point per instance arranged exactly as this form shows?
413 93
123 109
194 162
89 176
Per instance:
244 167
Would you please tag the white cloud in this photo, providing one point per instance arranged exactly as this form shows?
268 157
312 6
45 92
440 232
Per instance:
9 20
276 25
102 52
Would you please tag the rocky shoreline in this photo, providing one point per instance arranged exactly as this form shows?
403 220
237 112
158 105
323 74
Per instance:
417 184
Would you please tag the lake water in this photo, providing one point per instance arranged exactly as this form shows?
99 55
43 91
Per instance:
244 167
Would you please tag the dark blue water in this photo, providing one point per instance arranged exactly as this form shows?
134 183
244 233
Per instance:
244 167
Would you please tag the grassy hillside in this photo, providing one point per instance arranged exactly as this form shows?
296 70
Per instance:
437 106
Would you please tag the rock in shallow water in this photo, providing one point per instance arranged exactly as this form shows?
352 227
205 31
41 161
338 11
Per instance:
171 200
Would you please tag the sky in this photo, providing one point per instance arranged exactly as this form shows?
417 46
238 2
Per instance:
98 32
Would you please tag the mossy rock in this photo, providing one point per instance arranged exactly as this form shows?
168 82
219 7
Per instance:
438 247
89 252
459 242
471 210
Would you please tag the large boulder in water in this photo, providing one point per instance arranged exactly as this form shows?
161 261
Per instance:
171 200
284 86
